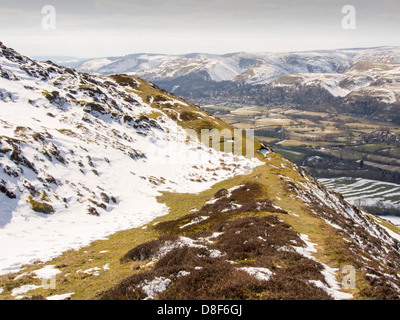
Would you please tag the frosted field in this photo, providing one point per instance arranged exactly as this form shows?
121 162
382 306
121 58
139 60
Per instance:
365 192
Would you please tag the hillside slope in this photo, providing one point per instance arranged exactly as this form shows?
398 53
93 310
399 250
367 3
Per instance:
103 189
274 234
76 149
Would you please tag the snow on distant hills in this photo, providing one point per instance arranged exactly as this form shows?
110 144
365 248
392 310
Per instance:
252 68
359 81
374 79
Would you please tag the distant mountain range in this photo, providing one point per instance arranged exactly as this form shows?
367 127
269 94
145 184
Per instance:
242 67
358 81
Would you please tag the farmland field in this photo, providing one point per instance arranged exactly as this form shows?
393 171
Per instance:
327 145
357 157
367 194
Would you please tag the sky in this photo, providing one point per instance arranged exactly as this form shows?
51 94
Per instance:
100 28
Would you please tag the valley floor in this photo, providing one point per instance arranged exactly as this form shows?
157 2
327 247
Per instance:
332 147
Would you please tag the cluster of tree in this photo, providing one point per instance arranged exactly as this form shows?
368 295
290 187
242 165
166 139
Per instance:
218 111
280 132
379 209
313 118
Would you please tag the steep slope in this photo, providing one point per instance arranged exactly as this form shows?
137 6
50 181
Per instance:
83 157
76 149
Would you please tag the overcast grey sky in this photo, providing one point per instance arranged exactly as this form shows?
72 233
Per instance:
95 28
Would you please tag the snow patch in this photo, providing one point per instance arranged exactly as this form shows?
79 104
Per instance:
61 296
262 274
154 287
24 289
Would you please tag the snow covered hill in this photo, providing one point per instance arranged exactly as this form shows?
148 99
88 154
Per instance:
374 80
82 157
251 68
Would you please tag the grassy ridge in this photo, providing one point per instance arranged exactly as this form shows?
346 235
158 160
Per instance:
85 286
331 248
90 271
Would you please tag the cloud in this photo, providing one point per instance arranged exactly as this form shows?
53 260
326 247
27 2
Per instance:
99 27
